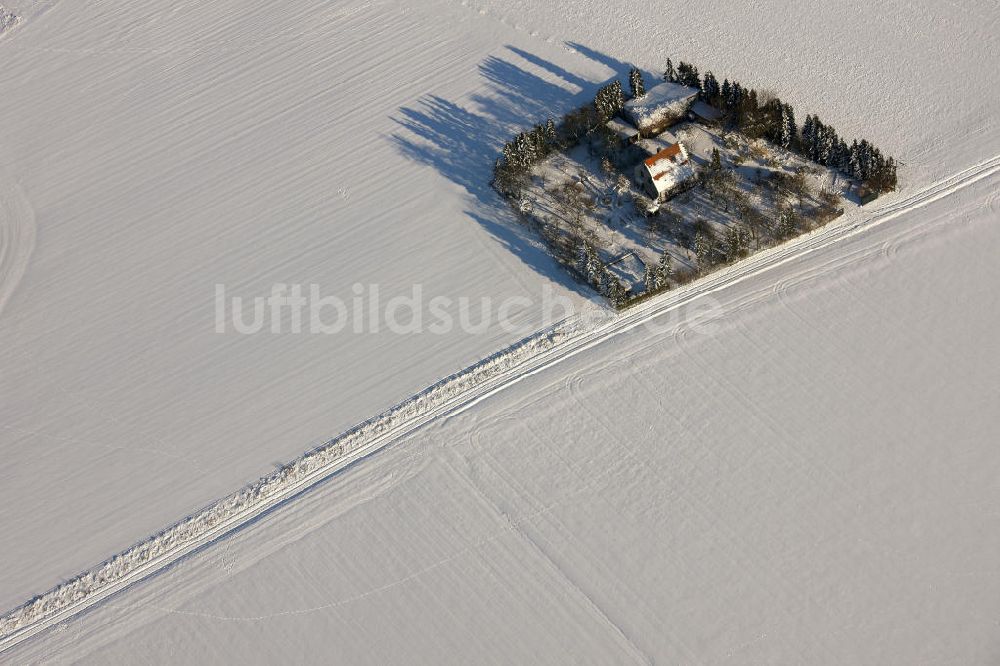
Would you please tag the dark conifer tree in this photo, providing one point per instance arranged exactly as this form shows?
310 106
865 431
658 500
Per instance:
637 85
854 161
808 136
736 94
687 75
694 79
864 160
843 156
710 88
726 93
791 130
815 138
670 74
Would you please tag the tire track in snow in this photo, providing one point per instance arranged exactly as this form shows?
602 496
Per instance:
17 239
993 202
887 250
450 396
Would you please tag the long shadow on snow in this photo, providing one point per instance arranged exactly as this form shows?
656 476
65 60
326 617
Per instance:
461 141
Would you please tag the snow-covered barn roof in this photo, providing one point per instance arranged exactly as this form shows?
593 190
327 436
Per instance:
660 97
622 129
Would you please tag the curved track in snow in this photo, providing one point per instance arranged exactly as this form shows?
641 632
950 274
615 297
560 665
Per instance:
448 397
17 239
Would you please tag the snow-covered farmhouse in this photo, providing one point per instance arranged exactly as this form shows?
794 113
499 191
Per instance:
661 106
664 171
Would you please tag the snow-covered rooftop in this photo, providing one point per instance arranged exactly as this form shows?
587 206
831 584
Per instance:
661 106
655 144
663 94
669 167
623 129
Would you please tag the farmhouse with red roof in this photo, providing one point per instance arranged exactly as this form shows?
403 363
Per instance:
664 171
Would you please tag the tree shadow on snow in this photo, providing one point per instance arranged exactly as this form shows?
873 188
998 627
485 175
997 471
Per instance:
462 140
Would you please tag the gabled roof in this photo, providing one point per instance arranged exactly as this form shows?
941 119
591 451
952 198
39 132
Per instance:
669 167
669 152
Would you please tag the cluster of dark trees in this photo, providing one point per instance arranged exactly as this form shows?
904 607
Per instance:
528 148
590 267
610 100
775 120
593 271
744 108
520 153
657 275
685 74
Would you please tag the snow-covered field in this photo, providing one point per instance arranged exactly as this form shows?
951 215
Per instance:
812 482
816 478
150 152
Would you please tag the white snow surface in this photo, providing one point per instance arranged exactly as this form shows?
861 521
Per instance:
151 151
790 490
778 514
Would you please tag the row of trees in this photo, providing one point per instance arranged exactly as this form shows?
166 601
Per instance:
592 269
528 148
657 275
861 160
775 120
685 74
520 153
746 109
740 237
594 272
752 227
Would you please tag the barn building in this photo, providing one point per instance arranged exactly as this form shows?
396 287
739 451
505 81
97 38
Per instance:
661 106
